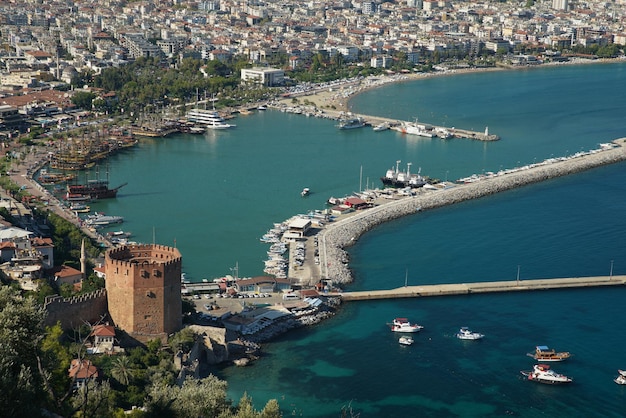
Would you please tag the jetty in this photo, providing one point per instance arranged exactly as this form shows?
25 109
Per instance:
484 287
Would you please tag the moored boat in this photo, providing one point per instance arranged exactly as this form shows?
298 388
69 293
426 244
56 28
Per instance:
80 208
397 178
351 123
542 373
465 334
381 127
404 340
403 325
543 353
210 119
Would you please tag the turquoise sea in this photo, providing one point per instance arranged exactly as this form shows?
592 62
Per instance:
213 196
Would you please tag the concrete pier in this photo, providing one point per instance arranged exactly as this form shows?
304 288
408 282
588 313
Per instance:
484 287
341 234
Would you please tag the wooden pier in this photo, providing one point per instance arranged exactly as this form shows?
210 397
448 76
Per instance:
484 287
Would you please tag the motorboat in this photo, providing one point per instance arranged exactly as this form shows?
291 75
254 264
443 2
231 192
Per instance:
404 340
621 378
305 192
381 127
466 334
543 374
99 220
403 325
543 353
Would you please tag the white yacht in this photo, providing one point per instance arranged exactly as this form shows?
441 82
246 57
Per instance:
465 334
208 118
543 374
403 325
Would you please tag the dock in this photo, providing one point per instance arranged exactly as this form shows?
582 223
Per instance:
484 287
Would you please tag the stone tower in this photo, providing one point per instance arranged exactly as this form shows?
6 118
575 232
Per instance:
143 290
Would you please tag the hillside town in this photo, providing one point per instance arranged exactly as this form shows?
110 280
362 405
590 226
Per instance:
48 46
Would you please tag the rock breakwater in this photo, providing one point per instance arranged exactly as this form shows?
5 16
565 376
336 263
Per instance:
344 233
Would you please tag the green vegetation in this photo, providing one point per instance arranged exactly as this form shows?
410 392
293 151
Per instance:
34 363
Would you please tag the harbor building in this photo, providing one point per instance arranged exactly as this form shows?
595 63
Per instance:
143 284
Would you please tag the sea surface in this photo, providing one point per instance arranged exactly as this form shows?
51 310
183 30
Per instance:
214 196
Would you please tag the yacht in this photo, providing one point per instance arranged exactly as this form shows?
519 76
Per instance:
465 334
403 325
543 374
210 119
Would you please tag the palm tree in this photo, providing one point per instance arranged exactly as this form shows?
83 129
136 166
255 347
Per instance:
121 370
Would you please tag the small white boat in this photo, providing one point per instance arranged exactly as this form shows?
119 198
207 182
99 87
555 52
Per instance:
381 127
542 373
404 340
403 325
465 334
621 378
305 192
622 372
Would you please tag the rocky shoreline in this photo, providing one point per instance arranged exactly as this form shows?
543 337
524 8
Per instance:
344 233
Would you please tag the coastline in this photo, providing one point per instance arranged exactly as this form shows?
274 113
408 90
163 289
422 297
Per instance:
336 100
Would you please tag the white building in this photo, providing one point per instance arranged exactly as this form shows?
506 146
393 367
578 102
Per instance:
269 77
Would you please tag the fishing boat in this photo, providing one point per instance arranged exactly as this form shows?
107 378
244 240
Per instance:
465 334
542 373
543 353
403 325
404 340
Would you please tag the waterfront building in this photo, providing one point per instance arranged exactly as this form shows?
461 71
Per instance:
268 77
143 284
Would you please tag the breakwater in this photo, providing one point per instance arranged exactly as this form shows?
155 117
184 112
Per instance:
344 233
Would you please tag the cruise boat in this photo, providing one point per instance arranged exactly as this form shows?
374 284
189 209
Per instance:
351 123
403 325
465 334
210 119
404 340
543 374
543 353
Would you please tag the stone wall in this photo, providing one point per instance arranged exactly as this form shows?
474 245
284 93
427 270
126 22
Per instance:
76 311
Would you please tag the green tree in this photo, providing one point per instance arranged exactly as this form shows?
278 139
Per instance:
122 370
83 99
21 326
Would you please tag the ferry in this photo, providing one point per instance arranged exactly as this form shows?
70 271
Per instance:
403 325
542 373
543 353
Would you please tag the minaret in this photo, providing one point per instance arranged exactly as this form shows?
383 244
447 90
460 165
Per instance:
83 259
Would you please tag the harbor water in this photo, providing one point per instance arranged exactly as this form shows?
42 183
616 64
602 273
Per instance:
213 197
